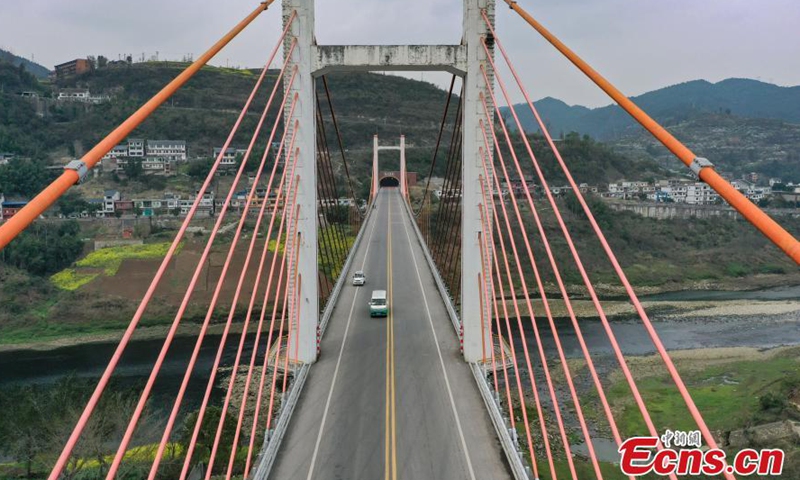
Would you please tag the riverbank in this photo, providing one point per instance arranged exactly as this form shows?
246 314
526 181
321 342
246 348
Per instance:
749 283
779 304
147 333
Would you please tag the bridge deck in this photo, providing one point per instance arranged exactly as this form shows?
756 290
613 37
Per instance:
399 407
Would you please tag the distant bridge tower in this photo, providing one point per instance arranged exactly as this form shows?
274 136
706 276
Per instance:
376 148
311 61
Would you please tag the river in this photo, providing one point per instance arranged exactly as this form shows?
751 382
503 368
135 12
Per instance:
42 367
758 331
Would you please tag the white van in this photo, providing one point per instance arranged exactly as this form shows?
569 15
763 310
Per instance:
378 307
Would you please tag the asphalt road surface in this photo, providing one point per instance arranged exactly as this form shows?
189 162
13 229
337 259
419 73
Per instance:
390 397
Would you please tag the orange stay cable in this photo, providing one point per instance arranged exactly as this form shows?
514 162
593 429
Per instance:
19 222
769 227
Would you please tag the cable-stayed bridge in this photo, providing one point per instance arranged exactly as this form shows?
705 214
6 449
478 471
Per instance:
448 385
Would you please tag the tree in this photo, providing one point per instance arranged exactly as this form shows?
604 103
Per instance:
207 433
44 249
72 202
37 419
338 214
22 176
133 168
200 168
21 427
102 61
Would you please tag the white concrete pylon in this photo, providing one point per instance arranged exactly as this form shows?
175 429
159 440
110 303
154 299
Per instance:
403 177
302 265
312 60
475 314
375 171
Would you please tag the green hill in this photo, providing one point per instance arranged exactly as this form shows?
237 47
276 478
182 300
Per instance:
34 68
203 111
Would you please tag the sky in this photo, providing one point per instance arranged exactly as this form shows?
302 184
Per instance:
640 45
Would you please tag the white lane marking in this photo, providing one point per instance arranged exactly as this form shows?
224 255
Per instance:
339 360
439 351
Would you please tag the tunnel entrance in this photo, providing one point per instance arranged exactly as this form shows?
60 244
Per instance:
389 182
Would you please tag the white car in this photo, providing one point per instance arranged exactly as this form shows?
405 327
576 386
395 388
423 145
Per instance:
359 278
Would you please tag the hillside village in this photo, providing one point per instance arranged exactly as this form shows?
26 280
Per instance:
157 171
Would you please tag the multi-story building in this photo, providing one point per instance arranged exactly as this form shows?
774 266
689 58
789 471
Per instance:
158 165
10 207
742 185
118 151
229 157
135 147
73 67
110 197
626 190
167 149
204 207
700 193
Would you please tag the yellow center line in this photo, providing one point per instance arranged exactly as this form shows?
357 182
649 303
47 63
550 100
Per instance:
391 324
390 470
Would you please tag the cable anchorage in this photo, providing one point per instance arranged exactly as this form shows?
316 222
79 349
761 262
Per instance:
698 164
80 167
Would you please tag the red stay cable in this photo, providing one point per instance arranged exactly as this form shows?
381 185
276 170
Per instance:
243 404
292 267
114 361
278 295
123 446
217 360
590 287
523 282
560 282
204 328
512 291
241 282
694 411
485 228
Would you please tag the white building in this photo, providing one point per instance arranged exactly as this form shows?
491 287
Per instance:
116 152
135 147
700 193
167 149
109 197
158 165
81 95
74 95
230 155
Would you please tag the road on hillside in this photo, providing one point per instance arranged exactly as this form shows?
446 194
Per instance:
390 397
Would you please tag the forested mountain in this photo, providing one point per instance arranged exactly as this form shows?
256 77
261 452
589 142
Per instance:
670 105
37 70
